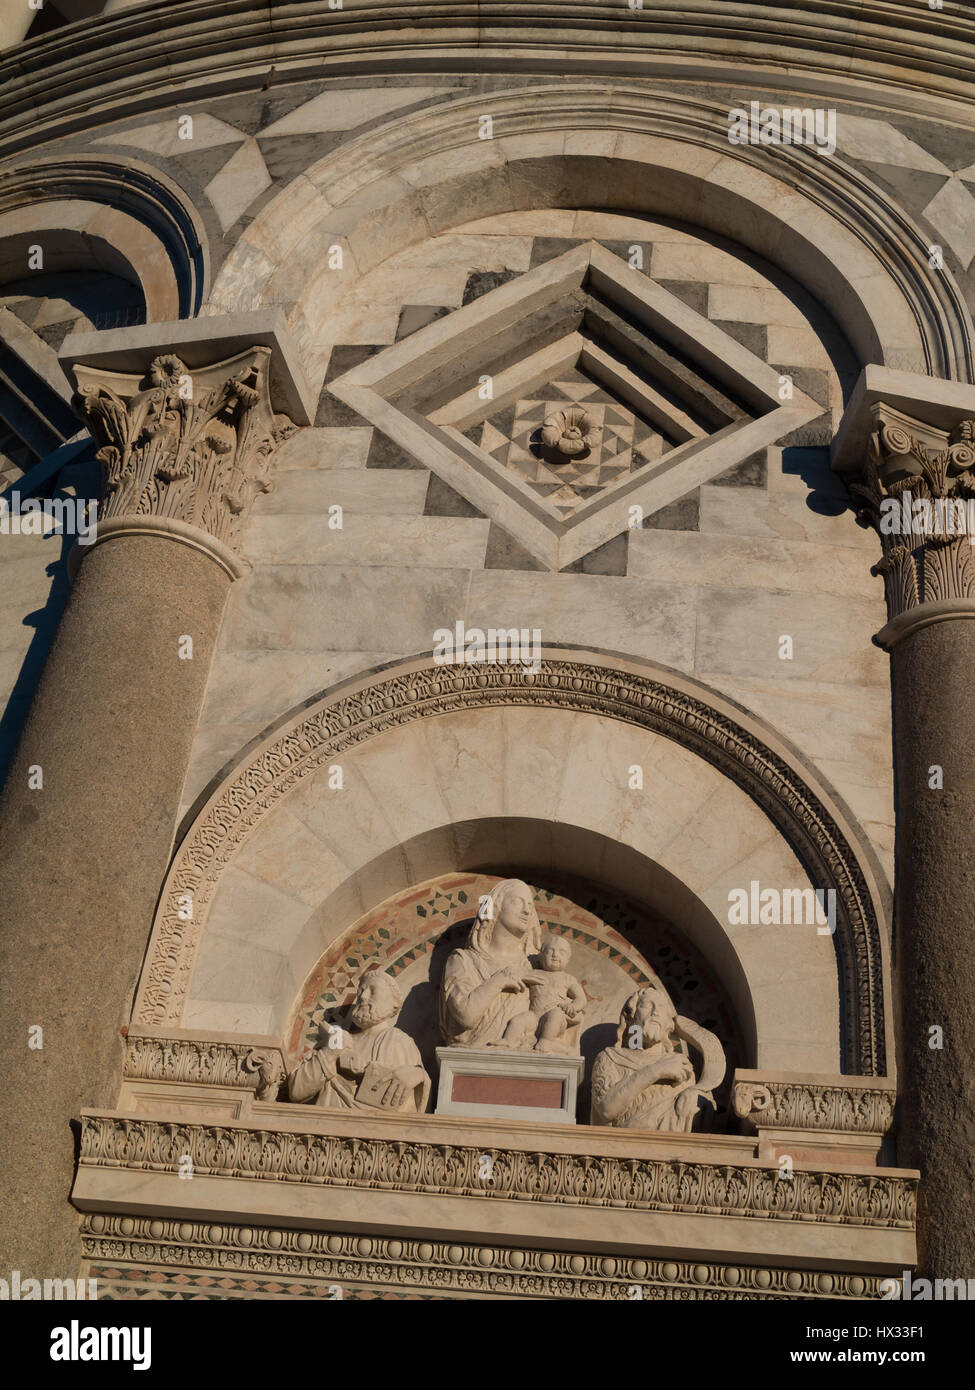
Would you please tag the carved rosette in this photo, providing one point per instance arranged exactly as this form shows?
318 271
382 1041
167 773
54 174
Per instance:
921 500
570 431
193 446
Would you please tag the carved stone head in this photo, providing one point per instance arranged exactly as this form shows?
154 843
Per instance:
651 1010
555 952
377 998
508 908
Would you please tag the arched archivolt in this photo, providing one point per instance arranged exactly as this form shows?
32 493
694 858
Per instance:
739 804
595 145
117 215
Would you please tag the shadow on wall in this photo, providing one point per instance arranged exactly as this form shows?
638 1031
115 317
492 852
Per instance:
79 477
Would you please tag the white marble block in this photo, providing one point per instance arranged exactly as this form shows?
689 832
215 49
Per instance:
497 1084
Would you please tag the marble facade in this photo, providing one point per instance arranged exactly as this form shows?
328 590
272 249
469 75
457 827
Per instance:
526 349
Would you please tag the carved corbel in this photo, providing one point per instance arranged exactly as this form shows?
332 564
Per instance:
780 1101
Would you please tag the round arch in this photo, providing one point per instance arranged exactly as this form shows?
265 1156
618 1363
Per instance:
598 145
118 215
730 802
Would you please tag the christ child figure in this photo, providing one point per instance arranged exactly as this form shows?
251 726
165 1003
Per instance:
558 1000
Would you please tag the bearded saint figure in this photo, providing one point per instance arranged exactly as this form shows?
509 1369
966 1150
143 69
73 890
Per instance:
375 1066
484 999
648 1081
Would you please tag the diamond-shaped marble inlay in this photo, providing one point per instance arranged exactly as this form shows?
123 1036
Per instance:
667 398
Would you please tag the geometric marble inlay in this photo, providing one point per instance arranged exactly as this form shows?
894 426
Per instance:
622 444
659 400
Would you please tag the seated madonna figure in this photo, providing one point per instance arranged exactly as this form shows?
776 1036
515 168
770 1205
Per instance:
647 1081
484 999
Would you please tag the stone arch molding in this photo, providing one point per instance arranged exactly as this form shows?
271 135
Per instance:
599 145
128 217
569 734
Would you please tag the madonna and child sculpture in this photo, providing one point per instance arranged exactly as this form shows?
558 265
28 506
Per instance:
492 995
509 990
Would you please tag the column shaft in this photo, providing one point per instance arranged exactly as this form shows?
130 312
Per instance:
933 672
83 858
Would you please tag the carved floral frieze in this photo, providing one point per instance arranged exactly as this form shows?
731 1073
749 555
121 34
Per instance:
202 1062
648 1184
849 1109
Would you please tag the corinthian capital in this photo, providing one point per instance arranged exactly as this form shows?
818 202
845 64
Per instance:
921 500
907 448
193 446
187 430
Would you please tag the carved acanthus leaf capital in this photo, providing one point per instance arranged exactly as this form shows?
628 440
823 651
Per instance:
192 445
917 489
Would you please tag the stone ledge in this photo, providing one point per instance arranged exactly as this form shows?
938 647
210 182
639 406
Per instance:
798 1101
400 1160
666 1206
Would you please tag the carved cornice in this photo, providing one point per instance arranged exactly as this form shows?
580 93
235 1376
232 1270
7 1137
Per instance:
307 1260
130 56
848 1109
880 1201
201 1063
322 734
920 497
193 446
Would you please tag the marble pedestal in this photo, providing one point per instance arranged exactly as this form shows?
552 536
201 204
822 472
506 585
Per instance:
493 1083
